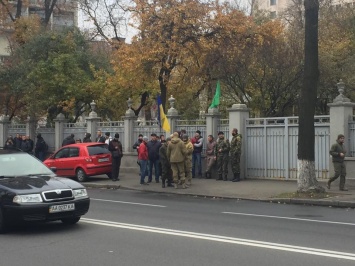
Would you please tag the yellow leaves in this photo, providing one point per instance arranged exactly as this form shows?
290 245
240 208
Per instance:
26 28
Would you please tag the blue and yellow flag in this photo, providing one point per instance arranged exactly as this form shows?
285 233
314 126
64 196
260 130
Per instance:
163 120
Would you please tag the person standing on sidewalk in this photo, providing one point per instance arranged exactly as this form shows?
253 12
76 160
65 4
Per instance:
197 142
188 160
210 156
143 159
115 147
337 151
176 155
235 152
165 164
153 154
221 151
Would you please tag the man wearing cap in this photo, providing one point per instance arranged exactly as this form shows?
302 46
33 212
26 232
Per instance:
176 153
221 152
165 164
197 142
235 152
337 151
115 147
153 154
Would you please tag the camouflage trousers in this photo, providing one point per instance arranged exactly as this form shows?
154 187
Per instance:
188 170
222 164
178 172
235 163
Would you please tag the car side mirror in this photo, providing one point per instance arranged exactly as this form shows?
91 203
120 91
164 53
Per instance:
53 169
51 156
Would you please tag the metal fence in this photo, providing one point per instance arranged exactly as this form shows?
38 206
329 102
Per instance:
271 147
48 134
147 128
224 127
78 129
17 129
351 138
113 127
191 126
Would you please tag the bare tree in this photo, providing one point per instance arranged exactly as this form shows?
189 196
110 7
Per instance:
107 19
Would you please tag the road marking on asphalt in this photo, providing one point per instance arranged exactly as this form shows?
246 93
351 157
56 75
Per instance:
133 203
225 239
287 218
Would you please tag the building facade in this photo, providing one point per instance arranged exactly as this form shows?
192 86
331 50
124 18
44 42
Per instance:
65 13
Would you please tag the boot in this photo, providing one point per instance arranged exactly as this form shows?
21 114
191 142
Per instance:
206 175
169 184
219 177
328 184
163 183
225 178
175 185
236 177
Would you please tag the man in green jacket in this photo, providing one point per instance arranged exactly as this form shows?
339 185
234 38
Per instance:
337 151
176 153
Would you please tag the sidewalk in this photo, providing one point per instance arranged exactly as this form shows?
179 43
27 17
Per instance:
250 189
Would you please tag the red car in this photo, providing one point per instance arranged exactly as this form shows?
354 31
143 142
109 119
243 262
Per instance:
81 160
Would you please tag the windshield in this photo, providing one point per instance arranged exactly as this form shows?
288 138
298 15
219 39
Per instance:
20 164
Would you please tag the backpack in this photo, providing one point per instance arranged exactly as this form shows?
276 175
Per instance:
116 153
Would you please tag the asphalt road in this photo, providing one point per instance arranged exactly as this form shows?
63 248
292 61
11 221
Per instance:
137 228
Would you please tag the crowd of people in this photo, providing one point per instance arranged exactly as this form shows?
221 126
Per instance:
26 144
177 159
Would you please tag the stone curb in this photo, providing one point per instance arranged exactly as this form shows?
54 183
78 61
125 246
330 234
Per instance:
315 202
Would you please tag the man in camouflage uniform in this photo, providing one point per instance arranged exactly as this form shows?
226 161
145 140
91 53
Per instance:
221 152
337 151
166 173
188 160
235 152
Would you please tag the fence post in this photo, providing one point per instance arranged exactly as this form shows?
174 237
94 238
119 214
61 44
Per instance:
59 130
212 121
341 112
172 115
31 125
92 121
129 119
4 129
238 113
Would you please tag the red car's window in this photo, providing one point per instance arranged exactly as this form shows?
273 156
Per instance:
99 149
73 152
63 153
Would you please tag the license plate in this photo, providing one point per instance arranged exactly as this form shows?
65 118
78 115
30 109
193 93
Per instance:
62 208
104 160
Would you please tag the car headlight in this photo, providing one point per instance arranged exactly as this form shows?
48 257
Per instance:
80 193
30 198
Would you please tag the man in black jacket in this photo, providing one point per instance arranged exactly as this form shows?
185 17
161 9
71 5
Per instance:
40 148
153 154
68 140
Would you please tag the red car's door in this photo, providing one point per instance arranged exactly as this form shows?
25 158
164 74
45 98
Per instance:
60 161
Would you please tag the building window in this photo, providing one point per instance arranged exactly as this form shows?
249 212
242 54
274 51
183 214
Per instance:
273 14
272 2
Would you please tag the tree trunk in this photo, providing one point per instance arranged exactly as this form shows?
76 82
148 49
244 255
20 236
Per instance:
306 153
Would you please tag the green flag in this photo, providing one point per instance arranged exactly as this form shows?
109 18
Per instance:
217 95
